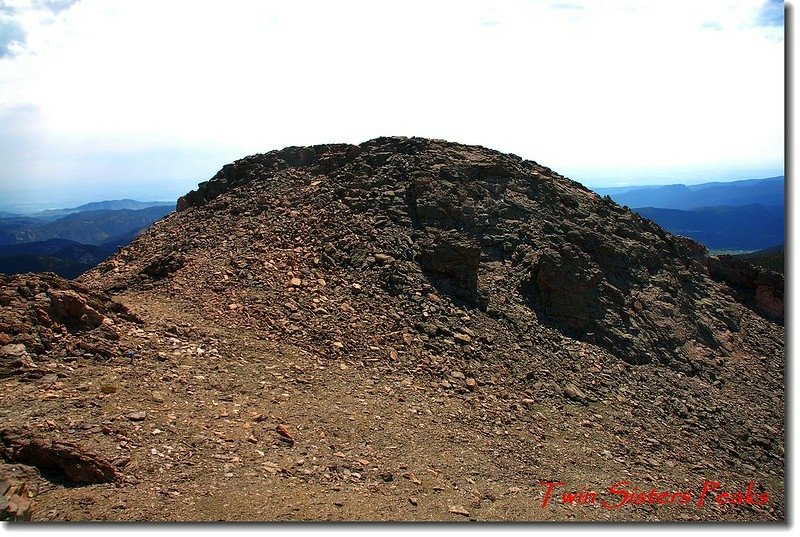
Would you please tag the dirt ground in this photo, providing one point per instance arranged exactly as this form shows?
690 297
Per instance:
209 423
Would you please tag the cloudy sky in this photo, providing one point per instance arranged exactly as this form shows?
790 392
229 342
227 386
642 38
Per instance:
115 98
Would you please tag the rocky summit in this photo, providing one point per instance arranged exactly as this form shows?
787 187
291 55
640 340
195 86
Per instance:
405 329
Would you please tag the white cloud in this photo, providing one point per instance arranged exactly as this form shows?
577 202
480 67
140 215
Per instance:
593 89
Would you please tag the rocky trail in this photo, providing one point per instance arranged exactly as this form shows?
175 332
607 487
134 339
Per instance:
402 330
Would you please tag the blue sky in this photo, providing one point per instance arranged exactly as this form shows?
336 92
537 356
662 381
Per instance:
146 98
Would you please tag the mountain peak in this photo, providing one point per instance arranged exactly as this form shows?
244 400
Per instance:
480 228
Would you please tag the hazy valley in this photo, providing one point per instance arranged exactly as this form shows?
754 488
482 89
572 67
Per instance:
71 241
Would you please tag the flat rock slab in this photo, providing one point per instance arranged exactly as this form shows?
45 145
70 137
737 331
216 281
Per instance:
79 466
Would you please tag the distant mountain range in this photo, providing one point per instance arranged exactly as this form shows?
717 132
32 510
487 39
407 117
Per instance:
737 216
71 241
86 227
685 197
110 205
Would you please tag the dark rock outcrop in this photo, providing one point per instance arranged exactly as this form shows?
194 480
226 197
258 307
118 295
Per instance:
759 288
452 261
164 265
